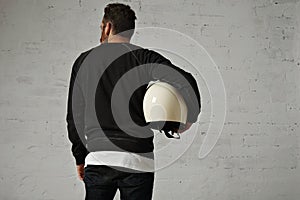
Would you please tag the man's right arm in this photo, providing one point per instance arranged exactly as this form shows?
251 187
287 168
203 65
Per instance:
162 69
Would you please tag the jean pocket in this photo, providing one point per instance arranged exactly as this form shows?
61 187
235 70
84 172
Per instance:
135 179
95 175
89 176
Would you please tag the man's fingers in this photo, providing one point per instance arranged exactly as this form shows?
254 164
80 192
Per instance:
80 171
81 176
187 126
181 130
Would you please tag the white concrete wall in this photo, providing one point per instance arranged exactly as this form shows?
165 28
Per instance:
254 43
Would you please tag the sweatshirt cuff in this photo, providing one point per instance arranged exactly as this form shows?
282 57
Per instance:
80 159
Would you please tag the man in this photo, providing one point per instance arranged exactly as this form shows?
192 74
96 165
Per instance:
110 151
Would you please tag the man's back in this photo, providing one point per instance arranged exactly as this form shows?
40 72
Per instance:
112 80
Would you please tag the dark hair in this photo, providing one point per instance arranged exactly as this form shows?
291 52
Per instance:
122 18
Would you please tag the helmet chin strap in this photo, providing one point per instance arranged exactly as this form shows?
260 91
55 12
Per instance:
170 133
169 128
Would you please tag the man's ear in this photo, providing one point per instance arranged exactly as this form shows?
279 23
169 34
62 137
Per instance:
108 28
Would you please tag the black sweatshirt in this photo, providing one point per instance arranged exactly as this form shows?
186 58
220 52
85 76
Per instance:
105 101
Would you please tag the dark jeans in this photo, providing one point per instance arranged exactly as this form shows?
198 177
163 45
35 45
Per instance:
101 183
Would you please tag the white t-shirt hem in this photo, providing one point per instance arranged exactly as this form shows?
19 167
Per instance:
120 159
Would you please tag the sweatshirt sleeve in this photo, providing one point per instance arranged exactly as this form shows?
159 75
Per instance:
78 149
162 69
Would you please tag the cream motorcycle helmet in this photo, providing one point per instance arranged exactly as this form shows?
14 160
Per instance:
164 108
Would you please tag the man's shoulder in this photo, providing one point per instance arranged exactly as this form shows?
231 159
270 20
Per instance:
82 56
149 55
85 53
79 60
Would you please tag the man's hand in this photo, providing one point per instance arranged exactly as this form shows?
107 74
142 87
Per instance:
80 171
187 126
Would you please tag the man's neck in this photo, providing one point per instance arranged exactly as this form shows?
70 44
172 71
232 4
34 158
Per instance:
118 39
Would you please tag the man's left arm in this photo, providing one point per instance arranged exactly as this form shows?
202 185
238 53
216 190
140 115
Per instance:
75 115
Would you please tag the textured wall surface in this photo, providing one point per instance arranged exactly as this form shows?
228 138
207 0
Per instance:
256 45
